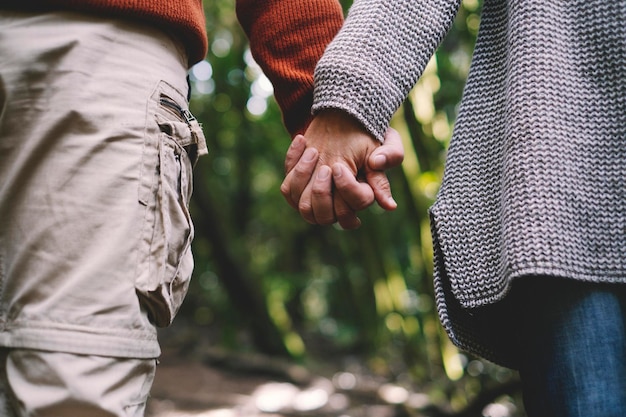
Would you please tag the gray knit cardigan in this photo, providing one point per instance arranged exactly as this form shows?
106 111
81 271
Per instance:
535 177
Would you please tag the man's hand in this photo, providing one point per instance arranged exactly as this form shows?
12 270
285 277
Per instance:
337 150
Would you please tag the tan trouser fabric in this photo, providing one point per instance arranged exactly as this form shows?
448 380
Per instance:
49 384
95 179
96 152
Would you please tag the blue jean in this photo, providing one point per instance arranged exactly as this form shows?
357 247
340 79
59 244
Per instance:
573 359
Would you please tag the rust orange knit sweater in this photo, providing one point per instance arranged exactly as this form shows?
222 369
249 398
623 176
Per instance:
287 37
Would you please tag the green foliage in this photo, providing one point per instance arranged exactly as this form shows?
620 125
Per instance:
266 280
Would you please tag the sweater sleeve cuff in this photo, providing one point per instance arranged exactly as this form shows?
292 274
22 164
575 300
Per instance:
358 97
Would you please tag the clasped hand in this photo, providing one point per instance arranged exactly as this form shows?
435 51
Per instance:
337 169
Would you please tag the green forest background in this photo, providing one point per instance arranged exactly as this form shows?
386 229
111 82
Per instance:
266 282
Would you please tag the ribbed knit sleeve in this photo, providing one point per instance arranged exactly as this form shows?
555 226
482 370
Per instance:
287 38
378 55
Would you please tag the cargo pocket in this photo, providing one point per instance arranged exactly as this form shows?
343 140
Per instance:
166 262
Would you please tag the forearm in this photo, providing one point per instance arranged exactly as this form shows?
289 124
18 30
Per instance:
377 57
287 39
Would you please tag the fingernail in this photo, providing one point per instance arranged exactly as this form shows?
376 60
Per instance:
323 173
337 171
380 160
309 155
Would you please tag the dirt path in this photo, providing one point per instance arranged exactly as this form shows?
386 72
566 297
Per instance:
196 380
250 387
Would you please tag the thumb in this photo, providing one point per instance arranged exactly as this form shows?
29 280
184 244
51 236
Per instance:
390 154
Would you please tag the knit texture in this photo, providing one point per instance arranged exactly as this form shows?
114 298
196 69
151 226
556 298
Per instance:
377 57
535 178
287 39
183 18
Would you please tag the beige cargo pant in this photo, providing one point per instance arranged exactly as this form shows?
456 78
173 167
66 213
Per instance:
38 383
96 152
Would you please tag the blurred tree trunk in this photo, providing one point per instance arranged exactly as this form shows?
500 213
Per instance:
237 280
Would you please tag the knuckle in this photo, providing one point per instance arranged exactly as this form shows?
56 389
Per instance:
307 216
345 213
303 170
380 183
320 191
305 208
363 198
363 203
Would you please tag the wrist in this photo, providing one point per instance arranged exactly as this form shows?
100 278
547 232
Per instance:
338 122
